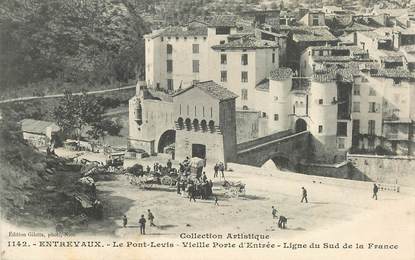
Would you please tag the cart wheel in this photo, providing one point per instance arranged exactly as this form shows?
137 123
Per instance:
167 180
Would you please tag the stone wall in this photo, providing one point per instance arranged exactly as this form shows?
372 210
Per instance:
247 125
383 169
212 141
339 170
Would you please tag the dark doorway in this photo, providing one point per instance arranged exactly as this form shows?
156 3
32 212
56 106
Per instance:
300 125
199 150
167 139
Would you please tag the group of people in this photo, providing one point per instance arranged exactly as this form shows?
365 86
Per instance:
282 220
219 167
141 222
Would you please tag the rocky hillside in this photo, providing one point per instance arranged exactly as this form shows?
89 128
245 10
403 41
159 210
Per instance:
94 42
34 188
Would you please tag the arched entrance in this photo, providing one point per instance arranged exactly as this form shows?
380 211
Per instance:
300 125
167 139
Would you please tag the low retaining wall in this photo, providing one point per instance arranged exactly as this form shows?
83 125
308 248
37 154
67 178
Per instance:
384 169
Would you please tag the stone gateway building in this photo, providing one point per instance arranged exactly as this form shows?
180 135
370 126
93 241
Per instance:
198 121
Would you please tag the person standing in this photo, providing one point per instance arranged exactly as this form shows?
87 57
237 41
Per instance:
304 195
222 169
274 212
169 164
216 169
142 223
192 193
178 185
124 221
204 178
150 217
375 191
216 201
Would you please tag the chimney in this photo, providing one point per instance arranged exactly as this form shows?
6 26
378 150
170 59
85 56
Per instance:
408 24
355 38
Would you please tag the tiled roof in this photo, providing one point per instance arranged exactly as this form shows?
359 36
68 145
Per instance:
355 26
213 89
37 126
224 20
280 73
344 74
396 58
310 34
263 85
393 73
183 31
247 42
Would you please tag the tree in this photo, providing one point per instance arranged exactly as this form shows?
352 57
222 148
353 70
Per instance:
75 112
104 127
274 5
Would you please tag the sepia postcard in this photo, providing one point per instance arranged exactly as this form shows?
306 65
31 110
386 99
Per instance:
207 129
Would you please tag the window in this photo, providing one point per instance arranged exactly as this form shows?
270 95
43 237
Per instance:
221 42
244 59
341 143
275 98
195 48
273 58
223 30
223 59
244 76
341 129
169 84
372 92
196 66
356 106
373 107
276 117
356 90
320 101
315 20
169 65
244 94
264 115
320 129
169 49
223 76
371 127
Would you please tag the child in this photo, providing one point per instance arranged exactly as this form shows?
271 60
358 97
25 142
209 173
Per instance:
124 221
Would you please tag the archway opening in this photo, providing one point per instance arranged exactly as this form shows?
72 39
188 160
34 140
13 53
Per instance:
212 126
203 125
167 142
196 124
188 124
180 121
300 125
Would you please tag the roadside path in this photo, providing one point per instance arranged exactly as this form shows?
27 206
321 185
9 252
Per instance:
62 95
